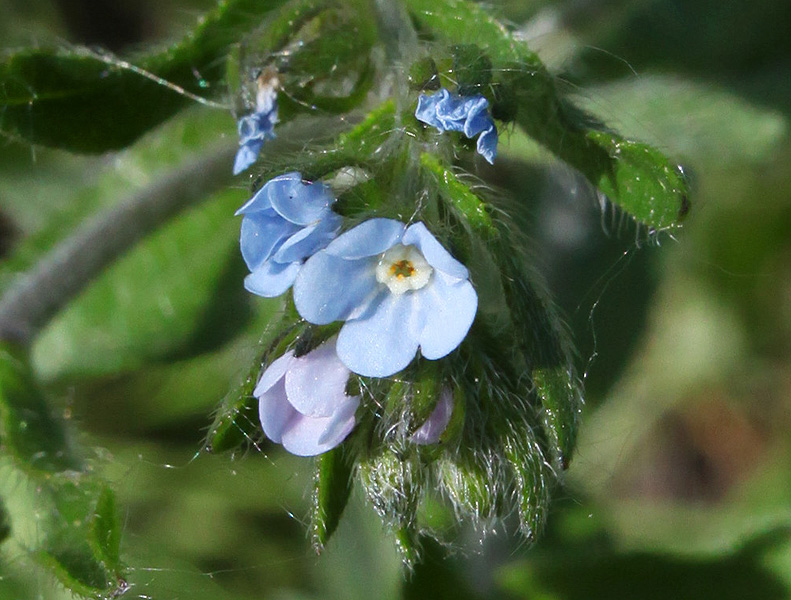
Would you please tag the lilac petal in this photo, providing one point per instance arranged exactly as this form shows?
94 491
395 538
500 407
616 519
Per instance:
369 238
309 240
274 409
329 288
450 310
316 382
439 258
385 339
261 233
309 436
246 155
302 204
271 278
427 108
487 144
430 431
275 413
274 373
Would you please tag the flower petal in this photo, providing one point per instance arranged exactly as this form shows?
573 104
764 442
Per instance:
246 155
439 258
274 373
271 278
450 310
274 409
309 240
487 144
329 288
309 436
303 204
261 233
316 382
427 108
275 413
433 428
369 238
384 340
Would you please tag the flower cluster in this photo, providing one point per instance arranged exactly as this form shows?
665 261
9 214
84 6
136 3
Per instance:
468 114
395 287
256 128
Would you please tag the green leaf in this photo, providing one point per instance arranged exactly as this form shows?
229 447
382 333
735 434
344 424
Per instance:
636 177
331 489
36 439
561 401
82 537
5 524
88 101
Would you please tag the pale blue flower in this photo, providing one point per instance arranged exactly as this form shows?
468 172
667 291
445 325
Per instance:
284 223
467 114
256 128
436 424
397 289
302 401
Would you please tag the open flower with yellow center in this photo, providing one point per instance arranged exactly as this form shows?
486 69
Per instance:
396 288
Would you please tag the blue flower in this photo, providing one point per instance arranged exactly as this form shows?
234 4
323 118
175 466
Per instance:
284 223
467 114
397 289
302 401
256 128
436 424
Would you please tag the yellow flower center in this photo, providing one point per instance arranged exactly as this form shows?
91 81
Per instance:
403 268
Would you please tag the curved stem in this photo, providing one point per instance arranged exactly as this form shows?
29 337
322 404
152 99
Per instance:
30 304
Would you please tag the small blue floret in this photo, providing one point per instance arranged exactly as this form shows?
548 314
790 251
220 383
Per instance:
284 223
396 288
466 114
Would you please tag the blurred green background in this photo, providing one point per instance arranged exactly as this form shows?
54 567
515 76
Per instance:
681 486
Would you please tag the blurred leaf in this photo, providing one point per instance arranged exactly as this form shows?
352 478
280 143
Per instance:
90 101
57 193
5 525
78 529
148 303
636 177
591 572
32 435
701 122
331 489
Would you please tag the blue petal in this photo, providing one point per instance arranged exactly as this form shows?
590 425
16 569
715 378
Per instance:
427 108
271 278
309 436
329 288
246 155
261 233
385 339
302 204
487 144
439 258
478 118
249 128
309 240
453 110
369 238
433 428
450 310
316 382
